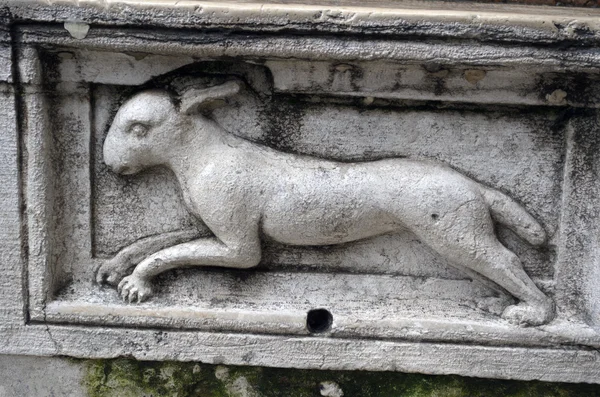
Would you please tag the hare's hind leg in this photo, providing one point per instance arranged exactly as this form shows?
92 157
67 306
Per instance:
465 236
505 268
495 262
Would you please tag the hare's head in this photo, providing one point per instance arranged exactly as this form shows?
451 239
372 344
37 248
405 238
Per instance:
150 126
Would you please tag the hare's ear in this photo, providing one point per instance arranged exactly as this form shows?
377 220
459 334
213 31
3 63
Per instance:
203 100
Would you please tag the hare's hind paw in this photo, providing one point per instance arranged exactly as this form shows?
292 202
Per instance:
526 314
112 271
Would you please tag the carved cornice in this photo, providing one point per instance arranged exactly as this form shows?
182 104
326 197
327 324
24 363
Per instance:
485 22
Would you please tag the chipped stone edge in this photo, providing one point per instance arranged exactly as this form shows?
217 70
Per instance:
210 44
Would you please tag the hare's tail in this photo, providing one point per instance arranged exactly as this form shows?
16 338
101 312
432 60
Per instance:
506 211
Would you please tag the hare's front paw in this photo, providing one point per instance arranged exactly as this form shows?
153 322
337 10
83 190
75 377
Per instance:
134 288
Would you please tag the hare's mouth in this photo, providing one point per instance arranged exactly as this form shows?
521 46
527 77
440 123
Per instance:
125 170
128 170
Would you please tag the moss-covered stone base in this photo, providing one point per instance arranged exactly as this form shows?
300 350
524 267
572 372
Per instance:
125 378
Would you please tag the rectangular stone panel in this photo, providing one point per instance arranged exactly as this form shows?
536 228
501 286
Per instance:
269 198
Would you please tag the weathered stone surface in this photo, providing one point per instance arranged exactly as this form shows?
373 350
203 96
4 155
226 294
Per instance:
36 376
41 377
362 195
572 3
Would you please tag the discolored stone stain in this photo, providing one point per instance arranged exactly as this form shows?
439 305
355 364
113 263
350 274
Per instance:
557 97
560 3
474 76
281 120
77 30
348 76
549 132
50 62
587 141
398 80
435 79
560 89
575 29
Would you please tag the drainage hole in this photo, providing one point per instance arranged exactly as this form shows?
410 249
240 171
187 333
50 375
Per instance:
319 320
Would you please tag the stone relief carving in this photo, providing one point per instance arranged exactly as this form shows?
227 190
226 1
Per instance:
244 192
467 109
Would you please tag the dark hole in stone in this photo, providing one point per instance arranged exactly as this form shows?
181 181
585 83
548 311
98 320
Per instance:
319 320
435 217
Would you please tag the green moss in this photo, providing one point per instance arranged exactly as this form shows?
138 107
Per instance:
124 378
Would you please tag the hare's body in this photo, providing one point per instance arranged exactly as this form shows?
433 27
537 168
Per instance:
308 201
243 191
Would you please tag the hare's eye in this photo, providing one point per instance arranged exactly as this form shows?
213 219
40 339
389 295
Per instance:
139 130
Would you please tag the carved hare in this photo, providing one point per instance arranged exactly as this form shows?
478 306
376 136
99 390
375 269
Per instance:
242 191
